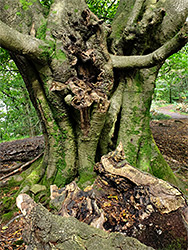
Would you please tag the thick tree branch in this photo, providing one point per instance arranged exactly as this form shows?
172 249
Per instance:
135 12
158 56
19 43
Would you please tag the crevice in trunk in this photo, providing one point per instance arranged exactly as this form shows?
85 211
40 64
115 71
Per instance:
116 131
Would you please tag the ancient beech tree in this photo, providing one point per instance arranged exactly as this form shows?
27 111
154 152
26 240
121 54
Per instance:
91 83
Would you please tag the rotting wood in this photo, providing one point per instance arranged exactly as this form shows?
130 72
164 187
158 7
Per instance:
47 231
22 150
15 166
122 199
125 199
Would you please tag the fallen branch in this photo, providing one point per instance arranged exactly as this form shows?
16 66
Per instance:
13 219
21 168
3 171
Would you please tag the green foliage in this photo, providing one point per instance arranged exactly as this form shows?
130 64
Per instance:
17 115
172 82
26 4
46 3
159 116
175 245
183 107
6 7
7 216
105 10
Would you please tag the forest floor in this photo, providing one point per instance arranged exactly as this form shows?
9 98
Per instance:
171 137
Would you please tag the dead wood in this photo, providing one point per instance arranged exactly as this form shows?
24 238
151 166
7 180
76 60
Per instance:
8 170
47 231
21 150
122 199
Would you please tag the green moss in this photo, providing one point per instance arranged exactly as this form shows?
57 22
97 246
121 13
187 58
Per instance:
86 178
144 157
135 108
60 55
33 176
53 207
138 82
31 168
119 31
43 197
48 51
13 183
131 154
60 180
6 6
8 204
175 245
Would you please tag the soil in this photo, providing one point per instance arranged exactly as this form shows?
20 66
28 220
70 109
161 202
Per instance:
171 136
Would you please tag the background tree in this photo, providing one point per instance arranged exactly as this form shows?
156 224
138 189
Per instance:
171 84
17 114
92 85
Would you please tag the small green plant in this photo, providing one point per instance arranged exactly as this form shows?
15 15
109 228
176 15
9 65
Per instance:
26 4
46 3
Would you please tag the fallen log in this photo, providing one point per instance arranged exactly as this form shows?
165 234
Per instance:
21 150
47 231
122 200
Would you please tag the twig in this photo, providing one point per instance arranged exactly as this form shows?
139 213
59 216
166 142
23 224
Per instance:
13 219
3 171
180 168
21 168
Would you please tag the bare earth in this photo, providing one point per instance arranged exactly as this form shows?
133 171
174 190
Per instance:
171 137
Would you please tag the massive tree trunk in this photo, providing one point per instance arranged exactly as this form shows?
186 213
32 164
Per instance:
92 85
